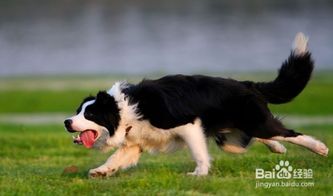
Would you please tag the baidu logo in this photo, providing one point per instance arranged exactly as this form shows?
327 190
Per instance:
283 174
283 170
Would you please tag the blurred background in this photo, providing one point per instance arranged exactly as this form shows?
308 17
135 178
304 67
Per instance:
43 37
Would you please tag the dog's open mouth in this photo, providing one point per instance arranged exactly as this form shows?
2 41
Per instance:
87 138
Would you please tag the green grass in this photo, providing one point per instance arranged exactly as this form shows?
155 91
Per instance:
316 99
34 101
33 157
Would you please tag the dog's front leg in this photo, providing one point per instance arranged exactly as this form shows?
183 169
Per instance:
194 137
123 158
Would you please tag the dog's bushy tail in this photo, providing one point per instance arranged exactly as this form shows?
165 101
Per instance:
293 75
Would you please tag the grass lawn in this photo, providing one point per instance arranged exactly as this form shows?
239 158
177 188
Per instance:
33 156
33 159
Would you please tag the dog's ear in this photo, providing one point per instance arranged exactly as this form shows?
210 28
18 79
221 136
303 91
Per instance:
107 103
104 99
107 106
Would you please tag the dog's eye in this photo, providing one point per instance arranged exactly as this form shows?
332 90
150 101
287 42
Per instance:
88 114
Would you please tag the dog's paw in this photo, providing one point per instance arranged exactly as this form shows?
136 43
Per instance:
98 172
321 149
277 147
101 172
199 171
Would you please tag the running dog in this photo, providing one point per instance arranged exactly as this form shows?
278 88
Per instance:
166 114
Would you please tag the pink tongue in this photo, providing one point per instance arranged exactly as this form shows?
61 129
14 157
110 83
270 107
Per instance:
88 138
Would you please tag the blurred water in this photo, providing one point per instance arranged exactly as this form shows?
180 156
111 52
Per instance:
172 36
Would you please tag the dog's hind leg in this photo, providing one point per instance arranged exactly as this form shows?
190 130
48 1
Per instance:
273 129
274 146
232 140
306 141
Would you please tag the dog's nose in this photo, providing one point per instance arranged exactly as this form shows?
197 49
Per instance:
68 125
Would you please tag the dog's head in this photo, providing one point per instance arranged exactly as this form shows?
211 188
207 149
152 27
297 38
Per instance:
96 121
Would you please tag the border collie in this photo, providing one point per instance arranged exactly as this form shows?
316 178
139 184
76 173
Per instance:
166 114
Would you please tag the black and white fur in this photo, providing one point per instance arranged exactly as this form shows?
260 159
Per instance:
175 111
